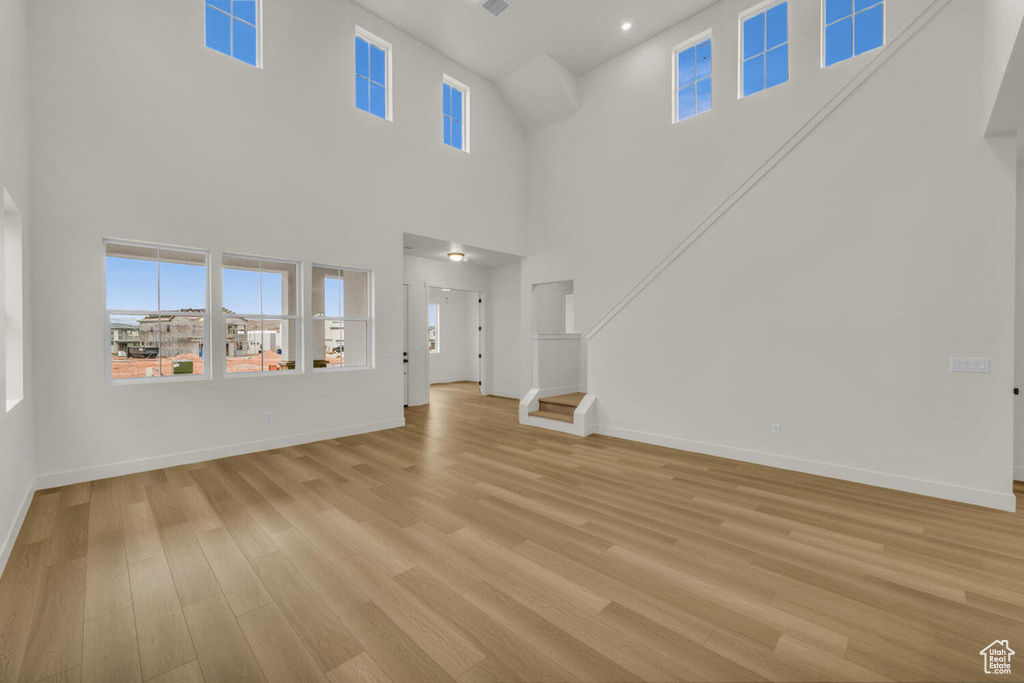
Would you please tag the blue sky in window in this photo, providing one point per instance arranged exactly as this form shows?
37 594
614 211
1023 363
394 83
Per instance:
852 28
241 291
371 78
432 315
132 285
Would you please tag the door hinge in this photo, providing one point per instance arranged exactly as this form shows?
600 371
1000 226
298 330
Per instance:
479 329
479 355
479 301
480 384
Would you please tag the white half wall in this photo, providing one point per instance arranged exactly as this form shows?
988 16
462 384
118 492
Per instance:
140 132
17 466
830 298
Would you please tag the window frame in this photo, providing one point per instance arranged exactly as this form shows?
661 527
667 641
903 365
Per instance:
763 8
12 301
384 45
368 319
107 312
437 327
853 28
231 17
295 318
464 89
693 42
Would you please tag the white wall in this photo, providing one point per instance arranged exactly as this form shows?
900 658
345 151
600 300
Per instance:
831 296
1001 68
505 343
142 133
16 426
456 359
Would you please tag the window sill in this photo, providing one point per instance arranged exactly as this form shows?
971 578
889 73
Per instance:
261 373
167 379
355 368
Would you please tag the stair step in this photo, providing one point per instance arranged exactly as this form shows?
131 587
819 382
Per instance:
566 399
548 415
556 407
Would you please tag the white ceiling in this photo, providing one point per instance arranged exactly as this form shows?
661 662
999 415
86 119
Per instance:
438 250
579 34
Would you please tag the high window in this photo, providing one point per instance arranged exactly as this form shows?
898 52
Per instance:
260 314
692 82
234 28
765 39
341 318
852 27
373 74
434 328
156 320
13 302
456 114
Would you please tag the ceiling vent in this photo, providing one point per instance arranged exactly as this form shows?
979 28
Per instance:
495 7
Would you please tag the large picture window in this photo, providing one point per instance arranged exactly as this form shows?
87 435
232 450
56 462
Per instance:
260 314
341 318
156 320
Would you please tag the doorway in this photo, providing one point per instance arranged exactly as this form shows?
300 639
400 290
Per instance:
455 331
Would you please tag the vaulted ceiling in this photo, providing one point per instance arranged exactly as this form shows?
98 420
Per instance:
578 34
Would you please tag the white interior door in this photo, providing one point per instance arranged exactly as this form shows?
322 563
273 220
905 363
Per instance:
405 346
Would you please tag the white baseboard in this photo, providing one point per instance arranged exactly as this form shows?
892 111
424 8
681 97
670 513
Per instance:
46 481
452 380
501 393
1018 473
12 534
962 494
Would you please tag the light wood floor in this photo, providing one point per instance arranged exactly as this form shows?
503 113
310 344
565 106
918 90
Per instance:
467 547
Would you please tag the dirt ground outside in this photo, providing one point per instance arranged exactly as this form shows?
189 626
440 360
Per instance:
131 368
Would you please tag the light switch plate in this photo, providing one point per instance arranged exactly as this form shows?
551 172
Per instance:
968 364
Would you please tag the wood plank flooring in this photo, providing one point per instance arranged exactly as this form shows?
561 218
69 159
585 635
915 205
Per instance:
467 547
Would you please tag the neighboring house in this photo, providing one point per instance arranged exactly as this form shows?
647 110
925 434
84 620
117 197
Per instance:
238 331
174 334
265 339
123 337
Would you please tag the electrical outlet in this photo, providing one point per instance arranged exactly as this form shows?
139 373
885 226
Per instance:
269 417
968 364
776 429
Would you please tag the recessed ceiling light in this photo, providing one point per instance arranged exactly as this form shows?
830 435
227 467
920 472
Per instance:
626 26
456 256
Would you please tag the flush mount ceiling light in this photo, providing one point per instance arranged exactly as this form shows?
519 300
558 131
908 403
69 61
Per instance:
456 256
626 26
